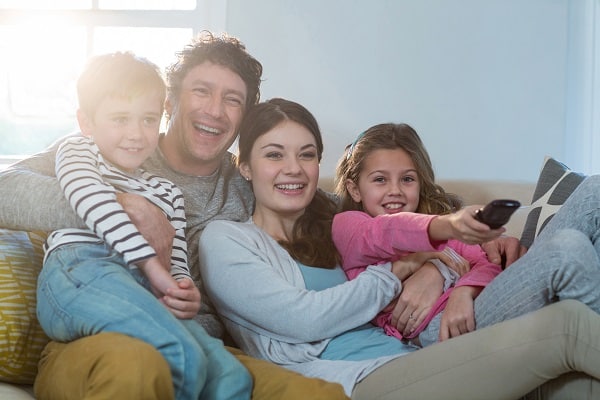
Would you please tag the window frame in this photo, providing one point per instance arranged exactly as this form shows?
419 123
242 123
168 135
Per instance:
208 15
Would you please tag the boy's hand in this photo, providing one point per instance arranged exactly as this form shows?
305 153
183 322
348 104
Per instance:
160 280
184 300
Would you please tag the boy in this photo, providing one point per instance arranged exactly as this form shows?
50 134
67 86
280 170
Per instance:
108 277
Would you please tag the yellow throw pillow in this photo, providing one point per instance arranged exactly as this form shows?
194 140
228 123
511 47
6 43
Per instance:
21 337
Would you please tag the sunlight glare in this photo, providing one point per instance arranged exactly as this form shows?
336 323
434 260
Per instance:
44 56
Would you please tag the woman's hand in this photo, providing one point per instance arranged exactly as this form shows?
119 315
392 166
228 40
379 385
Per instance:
458 317
184 300
419 293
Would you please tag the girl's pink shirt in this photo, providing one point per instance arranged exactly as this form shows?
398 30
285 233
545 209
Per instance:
363 240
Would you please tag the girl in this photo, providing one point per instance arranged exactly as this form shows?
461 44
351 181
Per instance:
385 176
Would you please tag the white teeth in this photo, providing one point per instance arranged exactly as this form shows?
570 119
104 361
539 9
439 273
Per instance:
393 206
290 186
207 129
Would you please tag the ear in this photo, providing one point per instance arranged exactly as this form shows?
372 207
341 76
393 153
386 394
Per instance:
352 189
86 123
245 171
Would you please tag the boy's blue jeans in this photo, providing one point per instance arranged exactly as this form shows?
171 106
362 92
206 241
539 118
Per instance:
86 288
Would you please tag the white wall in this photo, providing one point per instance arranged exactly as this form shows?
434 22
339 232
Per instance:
486 83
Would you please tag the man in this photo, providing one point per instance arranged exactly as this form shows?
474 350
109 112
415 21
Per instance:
210 86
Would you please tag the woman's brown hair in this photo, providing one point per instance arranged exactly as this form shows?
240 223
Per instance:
311 242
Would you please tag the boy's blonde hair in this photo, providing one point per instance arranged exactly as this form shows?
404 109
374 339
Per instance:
119 74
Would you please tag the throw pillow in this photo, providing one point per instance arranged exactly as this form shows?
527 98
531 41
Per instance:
21 337
555 184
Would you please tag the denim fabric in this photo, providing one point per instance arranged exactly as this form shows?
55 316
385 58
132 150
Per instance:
562 263
86 289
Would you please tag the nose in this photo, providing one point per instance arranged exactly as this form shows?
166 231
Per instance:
214 106
292 166
135 130
395 188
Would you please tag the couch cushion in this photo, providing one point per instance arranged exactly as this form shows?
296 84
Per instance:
555 184
21 337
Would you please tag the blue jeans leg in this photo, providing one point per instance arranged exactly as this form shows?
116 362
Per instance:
85 289
581 212
227 377
563 265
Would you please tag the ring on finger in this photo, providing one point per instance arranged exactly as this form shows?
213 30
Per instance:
411 316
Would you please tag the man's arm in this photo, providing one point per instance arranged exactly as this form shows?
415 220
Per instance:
31 198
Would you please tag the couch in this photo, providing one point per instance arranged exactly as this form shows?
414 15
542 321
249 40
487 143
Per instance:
21 339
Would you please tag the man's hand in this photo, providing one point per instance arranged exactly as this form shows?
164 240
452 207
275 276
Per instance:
152 224
183 301
419 293
504 250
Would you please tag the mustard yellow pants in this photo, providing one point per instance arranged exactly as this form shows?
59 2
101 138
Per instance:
114 366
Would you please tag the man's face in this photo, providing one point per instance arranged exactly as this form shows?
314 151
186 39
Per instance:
204 120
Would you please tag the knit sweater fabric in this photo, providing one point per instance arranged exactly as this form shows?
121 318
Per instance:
31 199
259 291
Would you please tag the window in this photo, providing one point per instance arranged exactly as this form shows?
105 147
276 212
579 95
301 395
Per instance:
44 44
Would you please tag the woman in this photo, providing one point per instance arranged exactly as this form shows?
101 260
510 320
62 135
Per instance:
275 281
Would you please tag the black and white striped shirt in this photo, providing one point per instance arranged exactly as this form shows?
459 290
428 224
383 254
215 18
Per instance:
91 183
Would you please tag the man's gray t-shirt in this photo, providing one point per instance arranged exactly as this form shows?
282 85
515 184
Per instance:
31 199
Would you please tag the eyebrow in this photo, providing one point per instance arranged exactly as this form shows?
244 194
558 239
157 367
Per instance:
379 171
121 112
211 85
280 146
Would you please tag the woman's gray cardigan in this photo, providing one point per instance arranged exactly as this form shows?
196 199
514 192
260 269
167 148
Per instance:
259 292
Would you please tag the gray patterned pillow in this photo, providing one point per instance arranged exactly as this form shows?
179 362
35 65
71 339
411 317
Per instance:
555 183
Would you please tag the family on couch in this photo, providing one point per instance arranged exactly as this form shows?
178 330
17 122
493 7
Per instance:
210 86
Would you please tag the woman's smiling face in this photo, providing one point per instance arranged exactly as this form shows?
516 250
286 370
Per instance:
284 169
